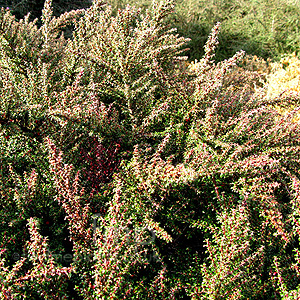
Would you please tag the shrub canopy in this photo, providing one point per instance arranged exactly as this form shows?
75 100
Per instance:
125 175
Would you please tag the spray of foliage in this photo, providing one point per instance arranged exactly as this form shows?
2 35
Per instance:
125 176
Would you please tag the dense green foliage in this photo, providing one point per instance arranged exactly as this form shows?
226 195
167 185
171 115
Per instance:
259 27
125 176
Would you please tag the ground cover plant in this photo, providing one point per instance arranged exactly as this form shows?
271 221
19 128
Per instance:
125 174
263 28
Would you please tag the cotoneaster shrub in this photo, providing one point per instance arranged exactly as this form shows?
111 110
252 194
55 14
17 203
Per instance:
125 176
